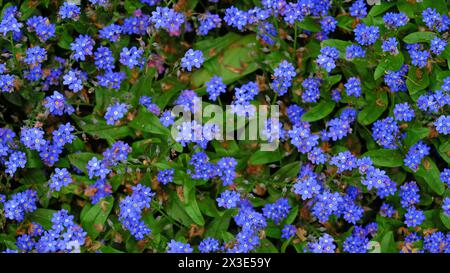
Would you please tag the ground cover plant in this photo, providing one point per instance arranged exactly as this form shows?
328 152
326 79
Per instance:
93 159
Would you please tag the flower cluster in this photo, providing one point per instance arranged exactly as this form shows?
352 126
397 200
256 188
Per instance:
106 120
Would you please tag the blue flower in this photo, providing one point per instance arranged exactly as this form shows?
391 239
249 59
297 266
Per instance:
165 176
115 112
117 153
207 22
328 56
386 132
403 112
74 80
443 125
353 87
366 35
325 244
436 242
111 32
32 138
104 58
42 26
96 168
35 55
395 20
434 20
409 194
82 47
60 178
437 45
311 92
208 245
354 51
57 105
236 18
215 87
132 57
277 211
344 161
415 155
414 217
167 118
358 9
446 206
69 10
302 138
101 189
192 58
167 19
387 210
178 247
288 231
228 199
390 45
131 209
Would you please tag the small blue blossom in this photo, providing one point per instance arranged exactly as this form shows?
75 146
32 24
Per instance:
437 45
215 87
96 168
209 245
178 247
82 47
403 112
132 57
165 176
228 199
390 45
69 10
395 20
414 217
115 112
443 125
60 178
192 58
358 9
366 35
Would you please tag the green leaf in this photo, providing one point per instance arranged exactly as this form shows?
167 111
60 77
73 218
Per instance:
237 60
33 159
190 203
287 171
445 219
417 80
80 160
390 62
385 157
431 175
419 37
406 7
108 249
43 217
338 44
176 210
413 135
380 9
97 127
147 122
264 157
318 112
266 246
377 103
93 220
388 243
310 24
219 224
